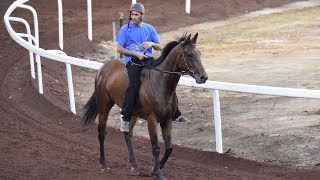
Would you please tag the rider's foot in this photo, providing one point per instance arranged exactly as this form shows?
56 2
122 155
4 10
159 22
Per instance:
124 125
182 120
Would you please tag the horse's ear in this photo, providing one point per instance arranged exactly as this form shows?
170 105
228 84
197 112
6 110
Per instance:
186 41
194 39
188 38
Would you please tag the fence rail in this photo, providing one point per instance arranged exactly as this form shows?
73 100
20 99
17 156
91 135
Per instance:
32 45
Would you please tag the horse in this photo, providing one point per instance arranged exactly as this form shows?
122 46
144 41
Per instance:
156 102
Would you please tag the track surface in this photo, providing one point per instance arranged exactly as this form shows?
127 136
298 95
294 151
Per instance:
40 139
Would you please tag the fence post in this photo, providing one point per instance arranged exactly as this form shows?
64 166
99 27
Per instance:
217 120
121 24
26 24
114 39
60 16
70 88
89 9
188 6
36 34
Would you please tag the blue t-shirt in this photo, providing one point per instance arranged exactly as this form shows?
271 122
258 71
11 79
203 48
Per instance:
133 38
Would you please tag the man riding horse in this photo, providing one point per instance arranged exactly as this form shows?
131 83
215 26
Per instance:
154 99
136 40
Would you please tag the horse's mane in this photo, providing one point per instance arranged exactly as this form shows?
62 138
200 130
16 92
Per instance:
166 50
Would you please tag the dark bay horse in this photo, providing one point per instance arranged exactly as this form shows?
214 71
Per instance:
156 102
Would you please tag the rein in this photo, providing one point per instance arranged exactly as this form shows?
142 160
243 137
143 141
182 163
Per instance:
160 70
171 72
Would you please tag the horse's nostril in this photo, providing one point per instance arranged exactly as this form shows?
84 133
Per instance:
204 77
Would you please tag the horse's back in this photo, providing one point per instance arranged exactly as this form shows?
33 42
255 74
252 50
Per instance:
111 66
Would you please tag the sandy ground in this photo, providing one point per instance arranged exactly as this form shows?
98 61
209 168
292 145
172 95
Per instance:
42 139
280 49
273 47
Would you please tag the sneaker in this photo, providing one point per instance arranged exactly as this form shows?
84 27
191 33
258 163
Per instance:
124 125
181 120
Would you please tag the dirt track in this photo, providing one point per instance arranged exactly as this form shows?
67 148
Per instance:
40 139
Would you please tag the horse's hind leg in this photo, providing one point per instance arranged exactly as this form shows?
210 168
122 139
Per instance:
166 134
128 137
104 107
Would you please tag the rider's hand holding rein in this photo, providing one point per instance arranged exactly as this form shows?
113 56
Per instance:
146 45
140 55
123 50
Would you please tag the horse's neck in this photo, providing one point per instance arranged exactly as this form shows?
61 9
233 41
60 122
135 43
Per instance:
167 82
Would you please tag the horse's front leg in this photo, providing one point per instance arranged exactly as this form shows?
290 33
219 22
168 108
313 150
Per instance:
128 137
152 127
166 128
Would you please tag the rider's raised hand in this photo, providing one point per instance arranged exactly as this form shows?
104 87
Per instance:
146 45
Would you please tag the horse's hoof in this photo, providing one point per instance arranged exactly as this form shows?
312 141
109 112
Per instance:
152 172
162 178
105 168
134 171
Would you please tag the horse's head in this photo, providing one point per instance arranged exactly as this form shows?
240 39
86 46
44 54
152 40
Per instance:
190 61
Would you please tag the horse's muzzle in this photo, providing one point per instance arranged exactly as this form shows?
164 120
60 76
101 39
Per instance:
201 79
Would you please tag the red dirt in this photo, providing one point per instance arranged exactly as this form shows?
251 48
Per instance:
41 139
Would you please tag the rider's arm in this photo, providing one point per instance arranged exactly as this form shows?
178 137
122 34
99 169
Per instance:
125 51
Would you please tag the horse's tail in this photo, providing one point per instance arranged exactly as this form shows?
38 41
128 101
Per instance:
90 111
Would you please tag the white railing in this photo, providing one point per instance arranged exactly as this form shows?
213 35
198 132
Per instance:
35 48
60 56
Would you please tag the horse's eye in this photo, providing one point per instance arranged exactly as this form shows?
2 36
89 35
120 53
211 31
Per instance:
190 56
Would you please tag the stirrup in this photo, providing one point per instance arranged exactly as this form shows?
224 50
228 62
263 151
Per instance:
124 125
181 120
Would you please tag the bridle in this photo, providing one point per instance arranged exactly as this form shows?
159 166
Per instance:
189 70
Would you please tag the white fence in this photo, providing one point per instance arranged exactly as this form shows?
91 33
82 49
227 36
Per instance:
32 45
